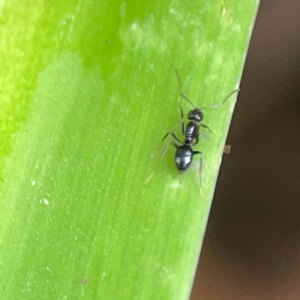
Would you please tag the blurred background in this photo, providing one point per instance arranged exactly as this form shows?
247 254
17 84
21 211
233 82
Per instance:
252 244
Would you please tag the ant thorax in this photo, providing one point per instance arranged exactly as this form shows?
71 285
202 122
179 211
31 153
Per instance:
191 133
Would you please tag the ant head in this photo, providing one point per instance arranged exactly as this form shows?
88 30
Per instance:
196 115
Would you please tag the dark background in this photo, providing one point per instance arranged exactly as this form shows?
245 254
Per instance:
252 244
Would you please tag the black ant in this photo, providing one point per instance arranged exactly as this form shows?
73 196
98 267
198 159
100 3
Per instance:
184 151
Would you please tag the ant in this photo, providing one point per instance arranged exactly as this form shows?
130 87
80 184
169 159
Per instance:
184 150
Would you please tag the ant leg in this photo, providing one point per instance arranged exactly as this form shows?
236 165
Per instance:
162 154
174 137
206 127
200 171
220 105
197 152
160 157
200 164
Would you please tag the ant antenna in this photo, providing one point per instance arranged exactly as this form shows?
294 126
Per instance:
180 89
188 100
220 105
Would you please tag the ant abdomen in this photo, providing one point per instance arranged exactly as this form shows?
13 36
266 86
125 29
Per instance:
183 157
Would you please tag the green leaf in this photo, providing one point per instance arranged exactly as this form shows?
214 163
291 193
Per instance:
87 91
